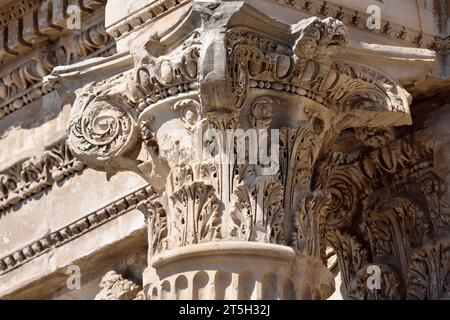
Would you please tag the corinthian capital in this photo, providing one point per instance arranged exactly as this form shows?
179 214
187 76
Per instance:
225 68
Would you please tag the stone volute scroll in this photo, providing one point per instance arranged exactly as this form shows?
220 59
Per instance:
226 221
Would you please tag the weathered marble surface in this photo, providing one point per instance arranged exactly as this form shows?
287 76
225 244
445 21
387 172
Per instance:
364 180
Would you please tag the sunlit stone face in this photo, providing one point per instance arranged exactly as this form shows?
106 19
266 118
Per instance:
252 150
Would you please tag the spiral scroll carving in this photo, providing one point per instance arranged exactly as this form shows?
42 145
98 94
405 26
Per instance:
101 129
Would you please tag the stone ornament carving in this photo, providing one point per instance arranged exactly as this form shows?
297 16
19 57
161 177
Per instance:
32 175
403 206
15 84
27 74
93 39
103 127
156 218
312 71
309 224
149 13
101 130
428 274
35 22
357 19
352 18
196 214
255 222
167 75
226 71
24 83
115 287
12 11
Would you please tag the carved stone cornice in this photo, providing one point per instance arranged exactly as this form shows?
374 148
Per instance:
357 19
35 22
352 18
144 16
73 230
24 83
33 175
17 9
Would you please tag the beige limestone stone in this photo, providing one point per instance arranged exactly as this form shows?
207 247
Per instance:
359 173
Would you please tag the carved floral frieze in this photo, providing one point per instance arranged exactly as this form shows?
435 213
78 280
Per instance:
33 175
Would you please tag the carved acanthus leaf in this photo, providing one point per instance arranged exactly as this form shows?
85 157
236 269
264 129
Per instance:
351 254
428 275
242 214
394 203
298 151
257 212
351 183
196 215
390 285
157 228
395 228
309 224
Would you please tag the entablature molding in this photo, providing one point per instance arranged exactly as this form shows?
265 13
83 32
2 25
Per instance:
22 83
21 76
355 19
57 238
28 24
